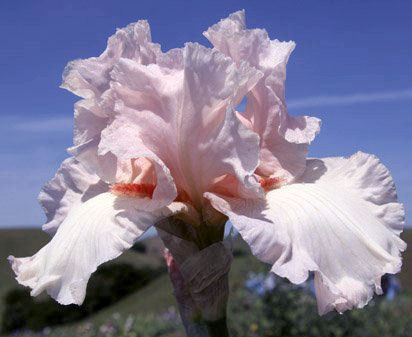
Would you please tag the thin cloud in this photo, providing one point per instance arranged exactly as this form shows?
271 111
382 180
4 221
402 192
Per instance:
350 99
44 125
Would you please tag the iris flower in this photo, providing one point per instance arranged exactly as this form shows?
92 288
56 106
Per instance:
158 142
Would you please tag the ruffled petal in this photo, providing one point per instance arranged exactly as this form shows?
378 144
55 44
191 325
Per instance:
93 232
189 89
71 185
91 77
113 163
341 220
129 149
182 113
91 116
284 139
109 168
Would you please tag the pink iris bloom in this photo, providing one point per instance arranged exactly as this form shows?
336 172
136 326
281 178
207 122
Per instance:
157 137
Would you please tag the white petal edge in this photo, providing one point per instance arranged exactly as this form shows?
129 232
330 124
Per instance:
67 188
341 220
94 232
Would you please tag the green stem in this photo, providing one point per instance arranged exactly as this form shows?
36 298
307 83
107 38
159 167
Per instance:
218 328
200 282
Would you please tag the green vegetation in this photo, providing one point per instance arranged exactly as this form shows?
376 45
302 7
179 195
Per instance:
148 310
405 276
108 285
290 311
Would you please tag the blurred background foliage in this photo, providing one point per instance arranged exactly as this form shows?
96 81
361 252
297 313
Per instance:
109 284
132 297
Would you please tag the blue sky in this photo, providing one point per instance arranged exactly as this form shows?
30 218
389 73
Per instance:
352 68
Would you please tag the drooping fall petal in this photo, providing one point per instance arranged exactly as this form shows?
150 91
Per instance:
284 139
93 232
341 220
182 111
71 185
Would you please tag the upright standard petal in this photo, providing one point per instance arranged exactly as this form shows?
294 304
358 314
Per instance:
182 113
90 78
341 220
124 167
284 139
93 232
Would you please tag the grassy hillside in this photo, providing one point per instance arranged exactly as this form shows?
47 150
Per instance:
406 274
155 297
21 242
25 242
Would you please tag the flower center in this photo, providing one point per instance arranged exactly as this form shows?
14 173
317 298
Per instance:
270 183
